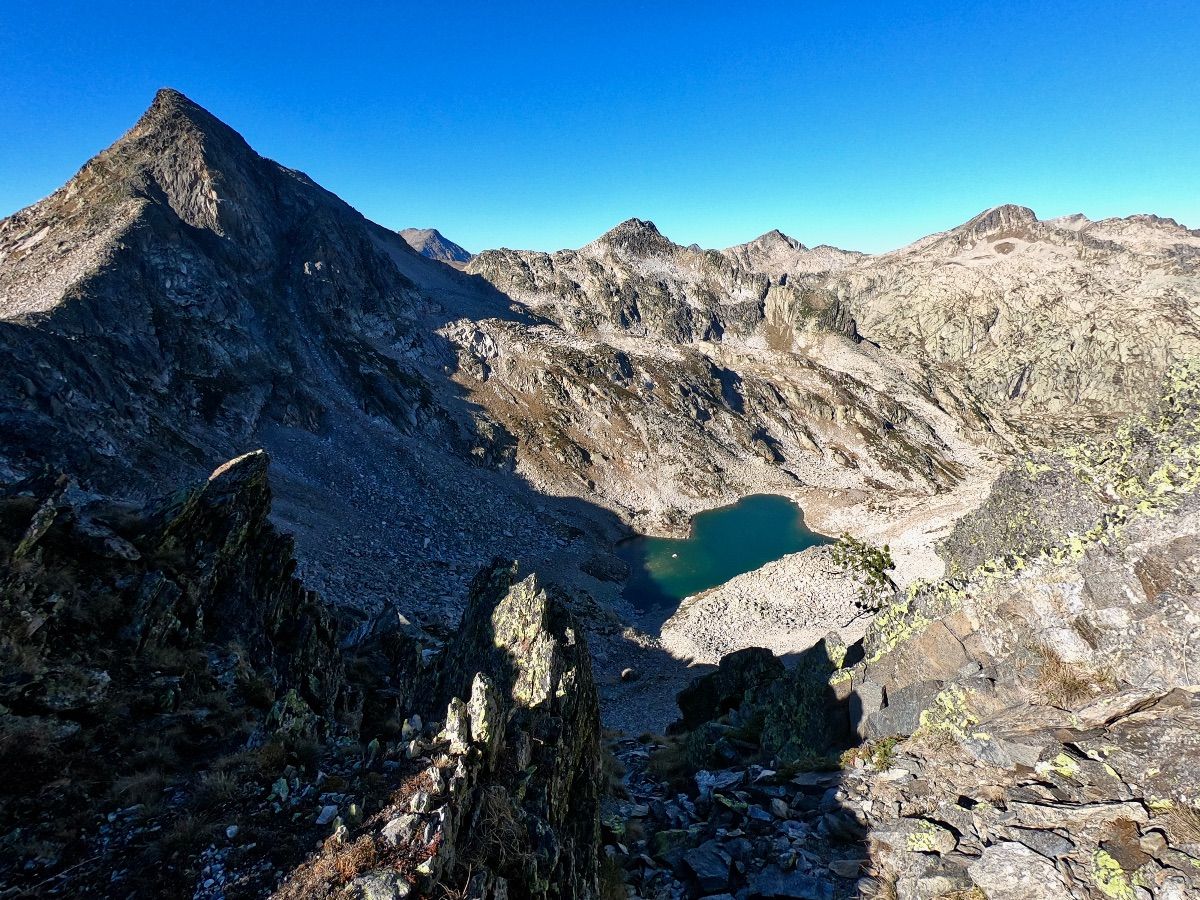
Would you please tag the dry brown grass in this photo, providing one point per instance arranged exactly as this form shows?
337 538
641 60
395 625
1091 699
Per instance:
337 864
501 838
140 787
217 789
880 885
1182 822
1066 684
930 740
188 835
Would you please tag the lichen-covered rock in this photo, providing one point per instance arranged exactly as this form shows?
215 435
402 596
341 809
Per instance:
1050 692
507 804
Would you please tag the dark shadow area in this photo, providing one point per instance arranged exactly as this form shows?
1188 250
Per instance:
755 762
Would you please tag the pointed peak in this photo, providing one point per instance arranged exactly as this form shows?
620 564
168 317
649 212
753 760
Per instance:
206 171
1000 218
433 244
776 238
169 98
172 112
634 226
636 235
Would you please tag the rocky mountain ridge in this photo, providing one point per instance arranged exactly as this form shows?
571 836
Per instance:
1060 324
431 243
183 300
431 718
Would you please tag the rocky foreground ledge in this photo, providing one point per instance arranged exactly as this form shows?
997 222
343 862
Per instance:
180 718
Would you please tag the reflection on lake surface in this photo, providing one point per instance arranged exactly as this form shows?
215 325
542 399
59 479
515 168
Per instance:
723 543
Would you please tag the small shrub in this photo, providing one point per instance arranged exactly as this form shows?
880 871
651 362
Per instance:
217 789
141 787
187 835
671 762
879 755
865 559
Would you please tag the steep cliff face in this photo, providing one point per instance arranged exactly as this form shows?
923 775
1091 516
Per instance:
139 644
1059 323
504 798
635 280
669 378
180 291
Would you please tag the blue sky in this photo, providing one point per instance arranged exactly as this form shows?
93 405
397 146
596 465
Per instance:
864 125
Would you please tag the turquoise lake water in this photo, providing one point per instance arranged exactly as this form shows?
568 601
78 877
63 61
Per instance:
723 543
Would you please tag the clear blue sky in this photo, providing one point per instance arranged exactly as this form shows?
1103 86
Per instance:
864 125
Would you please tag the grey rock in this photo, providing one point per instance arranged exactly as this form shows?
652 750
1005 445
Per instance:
1011 871
773 882
866 699
327 814
902 714
400 829
709 865
380 886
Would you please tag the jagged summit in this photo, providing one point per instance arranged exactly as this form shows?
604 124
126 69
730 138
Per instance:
431 243
1008 218
777 255
173 108
639 236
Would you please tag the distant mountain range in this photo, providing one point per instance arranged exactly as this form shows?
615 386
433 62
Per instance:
183 300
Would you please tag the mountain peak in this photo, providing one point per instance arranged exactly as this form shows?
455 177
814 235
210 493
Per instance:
206 171
1000 218
431 243
172 112
634 226
169 98
636 235
776 238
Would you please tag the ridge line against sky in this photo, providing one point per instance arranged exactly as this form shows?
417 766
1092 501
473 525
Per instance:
866 127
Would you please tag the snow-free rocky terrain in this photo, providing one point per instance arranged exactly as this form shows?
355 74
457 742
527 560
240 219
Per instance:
1001 709
433 244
